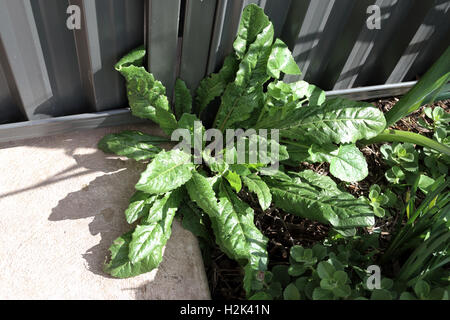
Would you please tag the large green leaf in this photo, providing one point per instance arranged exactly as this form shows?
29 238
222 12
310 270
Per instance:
245 93
253 22
183 99
132 144
146 96
135 57
166 172
145 238
349 164
237 232
195 220
337 121
298 152
201 192
325 184
303 198
166 120
120 266
150 238
140 204
255 184
309 93
346 161
256 150
234 180
232 222
197 130
214 85
158 209
282 99
281 60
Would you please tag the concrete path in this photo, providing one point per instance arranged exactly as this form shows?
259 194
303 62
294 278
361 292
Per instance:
61 205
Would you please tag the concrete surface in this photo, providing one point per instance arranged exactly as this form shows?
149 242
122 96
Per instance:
61 206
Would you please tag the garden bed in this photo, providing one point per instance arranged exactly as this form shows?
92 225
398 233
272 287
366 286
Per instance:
283 230
333 158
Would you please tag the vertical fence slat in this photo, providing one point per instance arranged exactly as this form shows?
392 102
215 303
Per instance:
119 27
395 13
60 56
276 10
226 24
198 25
162 41
437 44
105 35
316 17
336 42
22 59
433 22
87 50
9 111
294 20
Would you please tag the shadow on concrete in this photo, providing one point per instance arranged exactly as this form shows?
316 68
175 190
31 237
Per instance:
106 204
70 143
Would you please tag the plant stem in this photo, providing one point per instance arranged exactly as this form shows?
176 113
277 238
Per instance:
390 135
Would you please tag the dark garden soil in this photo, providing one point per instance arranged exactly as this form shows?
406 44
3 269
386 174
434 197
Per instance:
283 230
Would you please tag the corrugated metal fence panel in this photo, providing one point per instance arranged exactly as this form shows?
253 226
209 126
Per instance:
427 42
8 110
47 70
226 24
60 56
109 30
162 40
333 46
197 30
407 17
53 71
23 60
335 49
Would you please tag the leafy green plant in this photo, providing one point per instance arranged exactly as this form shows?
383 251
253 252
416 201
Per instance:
337 271
403 158
323 272
437 163
438 117
405 169
422 291
420 219
427 89
247 93
209 193
378 200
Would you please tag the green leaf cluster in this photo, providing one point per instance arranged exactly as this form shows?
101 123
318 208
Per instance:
249 93
403 159
378 200
322 272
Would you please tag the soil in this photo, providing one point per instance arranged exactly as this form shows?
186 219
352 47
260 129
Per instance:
284 230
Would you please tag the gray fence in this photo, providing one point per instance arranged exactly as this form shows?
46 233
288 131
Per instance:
49 71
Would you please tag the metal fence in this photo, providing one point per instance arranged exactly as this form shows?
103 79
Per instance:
49 71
